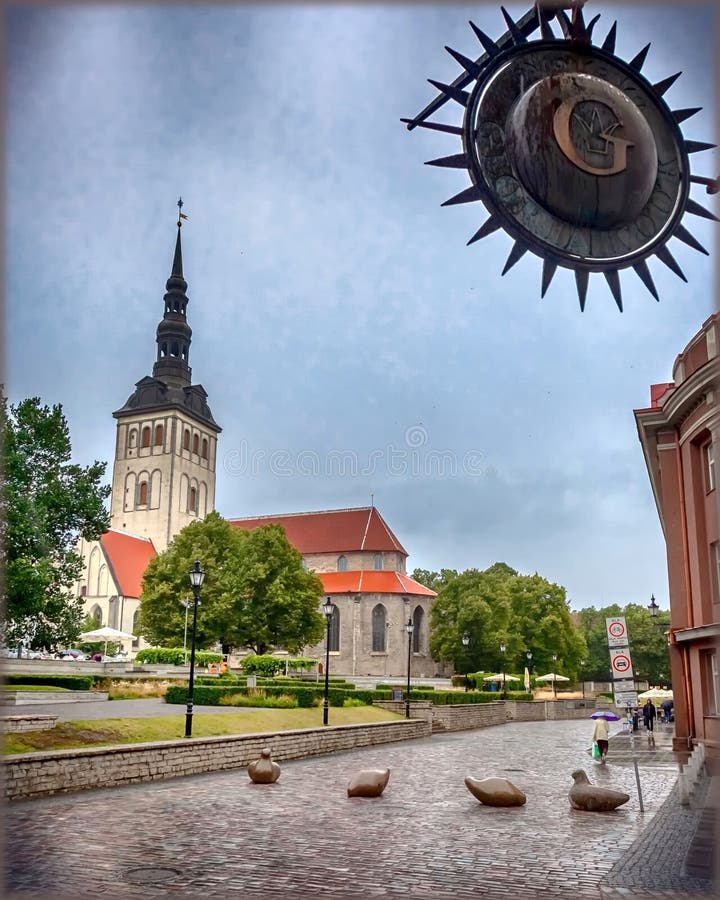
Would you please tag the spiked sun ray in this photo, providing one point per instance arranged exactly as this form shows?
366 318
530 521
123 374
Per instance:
576 31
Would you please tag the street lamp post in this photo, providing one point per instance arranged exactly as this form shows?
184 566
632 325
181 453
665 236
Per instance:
187 604
466 644
409 628
653 607
197 576
327 609
503 648
529 659
554 677
582 675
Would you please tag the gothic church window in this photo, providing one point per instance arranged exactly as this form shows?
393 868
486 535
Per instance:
186 439
379 617
143 493
192 503
378 562
196 444
204 449
145 437
334 643
96 613
175 349
342 564
418 616
158 435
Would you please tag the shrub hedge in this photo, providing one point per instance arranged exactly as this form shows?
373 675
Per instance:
71 682
175 656
307 696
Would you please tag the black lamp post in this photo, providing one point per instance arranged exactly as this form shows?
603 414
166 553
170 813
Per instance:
409 628
503 648
554 677
197 576
529 659
653 608
582 675
466 644
328 609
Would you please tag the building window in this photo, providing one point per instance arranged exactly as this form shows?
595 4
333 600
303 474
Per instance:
83 590
710 683
133 437
145 437
342 564
204 449
96 613
193 499
334 643
143 493
378 628
378 562
418 616
709 453
158 435
196 444
186 440
135 626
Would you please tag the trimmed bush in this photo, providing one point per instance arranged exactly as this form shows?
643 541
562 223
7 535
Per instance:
282 701
71 682
175 656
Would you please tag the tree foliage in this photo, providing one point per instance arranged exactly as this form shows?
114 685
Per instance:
498 606
433 580
48 503
256 594
646 637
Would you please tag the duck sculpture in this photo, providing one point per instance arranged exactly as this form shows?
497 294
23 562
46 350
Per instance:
592 798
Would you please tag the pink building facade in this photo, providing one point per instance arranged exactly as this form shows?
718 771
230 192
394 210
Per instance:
680 437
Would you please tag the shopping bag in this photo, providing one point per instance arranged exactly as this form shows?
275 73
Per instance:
596 750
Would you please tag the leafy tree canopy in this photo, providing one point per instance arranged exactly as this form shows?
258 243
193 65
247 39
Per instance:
497 606
433 580
647 641
256 594
48 503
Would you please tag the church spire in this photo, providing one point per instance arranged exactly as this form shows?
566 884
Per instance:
173 333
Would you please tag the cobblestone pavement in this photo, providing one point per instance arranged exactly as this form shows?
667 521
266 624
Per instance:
218 835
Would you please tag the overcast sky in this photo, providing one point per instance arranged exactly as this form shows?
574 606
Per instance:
338 317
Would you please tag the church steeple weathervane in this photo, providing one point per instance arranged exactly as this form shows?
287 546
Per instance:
173 333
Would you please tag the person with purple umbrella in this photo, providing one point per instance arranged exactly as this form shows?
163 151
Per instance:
601 734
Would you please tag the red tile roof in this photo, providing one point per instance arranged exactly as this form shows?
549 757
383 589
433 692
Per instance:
128 557
371 582
332 531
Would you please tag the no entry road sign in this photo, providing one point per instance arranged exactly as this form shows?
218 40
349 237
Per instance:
617 635
621 664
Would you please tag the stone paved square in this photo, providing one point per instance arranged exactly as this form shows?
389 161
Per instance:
218 835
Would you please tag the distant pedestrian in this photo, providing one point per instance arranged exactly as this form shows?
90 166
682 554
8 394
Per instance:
667 706
649 713
601 734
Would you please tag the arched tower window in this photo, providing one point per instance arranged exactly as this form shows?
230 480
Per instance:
378 562
379 617
175 349
163 349
158 435
186 439
342 564
334 644
132 441
143 493
192 502
196 443
145 437
418 617
204 449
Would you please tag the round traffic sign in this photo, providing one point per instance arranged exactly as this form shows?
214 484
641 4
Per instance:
616 629
621 663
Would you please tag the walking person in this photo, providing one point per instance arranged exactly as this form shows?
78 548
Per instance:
649 713
601 734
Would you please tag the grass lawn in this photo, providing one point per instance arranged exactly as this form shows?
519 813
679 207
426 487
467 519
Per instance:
103 732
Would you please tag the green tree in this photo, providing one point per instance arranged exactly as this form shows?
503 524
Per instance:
433 580
48 503
256 594
646 637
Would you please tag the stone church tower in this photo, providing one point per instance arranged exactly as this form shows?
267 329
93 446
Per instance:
163 472
166 444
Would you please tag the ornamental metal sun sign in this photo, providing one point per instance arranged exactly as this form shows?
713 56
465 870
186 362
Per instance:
573 152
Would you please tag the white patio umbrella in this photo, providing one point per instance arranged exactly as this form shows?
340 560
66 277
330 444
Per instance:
551 676
527 680
106 634
501 678
656 694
